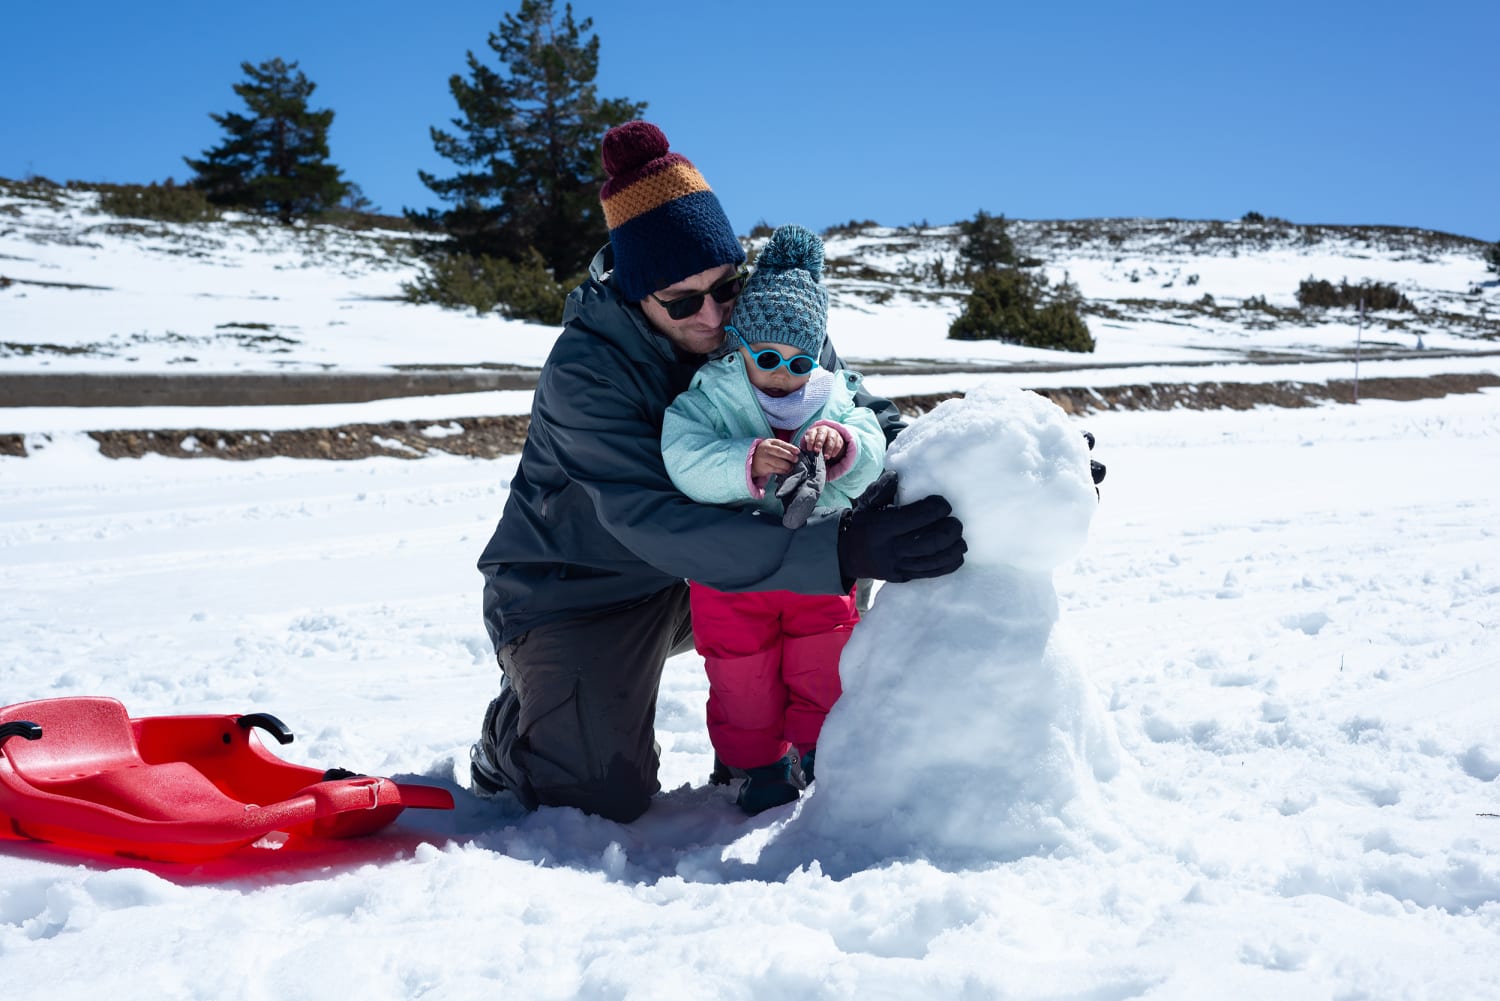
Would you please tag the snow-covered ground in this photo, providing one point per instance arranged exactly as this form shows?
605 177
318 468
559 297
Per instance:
1284 612
1283 615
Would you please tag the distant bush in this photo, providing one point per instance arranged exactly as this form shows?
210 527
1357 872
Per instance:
1008 305
761 230
33 187
162 202
355 211
1318 292
1271 314
359 220
1492 257
525 291
851 228
1252 217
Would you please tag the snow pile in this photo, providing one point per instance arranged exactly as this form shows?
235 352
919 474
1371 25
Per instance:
967 731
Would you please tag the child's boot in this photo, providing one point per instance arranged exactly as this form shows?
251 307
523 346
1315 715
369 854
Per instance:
770 785
807 765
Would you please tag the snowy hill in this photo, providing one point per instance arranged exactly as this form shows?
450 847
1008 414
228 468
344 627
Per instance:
1232 284
88 292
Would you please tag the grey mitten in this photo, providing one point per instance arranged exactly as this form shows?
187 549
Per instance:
800 488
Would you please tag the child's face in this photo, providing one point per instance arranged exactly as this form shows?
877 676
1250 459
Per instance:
780 381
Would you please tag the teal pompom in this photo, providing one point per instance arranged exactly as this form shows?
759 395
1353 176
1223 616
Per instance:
793 247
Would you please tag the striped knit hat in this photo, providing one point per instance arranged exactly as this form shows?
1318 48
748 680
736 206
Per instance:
665 223
785 300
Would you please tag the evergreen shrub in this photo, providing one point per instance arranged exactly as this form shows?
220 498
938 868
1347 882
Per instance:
853 227
1008 305
162 202
524 291
986 243
1318 292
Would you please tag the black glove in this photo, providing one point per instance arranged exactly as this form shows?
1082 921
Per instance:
1096 469
801 487
899 542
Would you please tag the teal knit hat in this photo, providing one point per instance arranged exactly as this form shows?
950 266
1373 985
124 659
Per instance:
785 300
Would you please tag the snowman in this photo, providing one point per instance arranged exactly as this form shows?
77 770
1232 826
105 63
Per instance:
967 732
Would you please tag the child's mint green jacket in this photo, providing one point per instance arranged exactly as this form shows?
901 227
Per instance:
709 433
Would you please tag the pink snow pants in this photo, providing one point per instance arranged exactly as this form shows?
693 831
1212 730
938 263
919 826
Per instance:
773 668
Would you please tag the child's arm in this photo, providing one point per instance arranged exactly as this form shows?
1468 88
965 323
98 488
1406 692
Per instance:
862 458
703 463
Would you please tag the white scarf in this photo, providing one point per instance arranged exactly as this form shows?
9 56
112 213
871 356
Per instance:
790 412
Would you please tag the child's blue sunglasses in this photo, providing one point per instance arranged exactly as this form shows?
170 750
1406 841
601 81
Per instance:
769 360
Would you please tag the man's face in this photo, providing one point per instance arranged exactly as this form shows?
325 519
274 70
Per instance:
703 331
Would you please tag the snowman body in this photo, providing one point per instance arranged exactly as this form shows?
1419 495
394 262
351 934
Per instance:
968 730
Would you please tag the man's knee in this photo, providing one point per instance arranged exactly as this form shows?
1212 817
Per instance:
621 794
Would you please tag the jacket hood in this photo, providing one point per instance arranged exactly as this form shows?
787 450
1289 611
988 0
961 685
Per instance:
597 305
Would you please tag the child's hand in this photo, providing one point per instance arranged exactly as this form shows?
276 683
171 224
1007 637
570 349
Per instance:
772 457
824 439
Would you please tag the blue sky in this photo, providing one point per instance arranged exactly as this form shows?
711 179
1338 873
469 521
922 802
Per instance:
819 113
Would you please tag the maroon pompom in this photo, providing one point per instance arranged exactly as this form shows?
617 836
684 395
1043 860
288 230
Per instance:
629 147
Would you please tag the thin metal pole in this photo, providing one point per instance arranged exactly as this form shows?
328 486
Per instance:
1358 340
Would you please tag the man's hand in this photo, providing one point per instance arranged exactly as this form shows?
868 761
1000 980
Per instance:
773 457
899 542
824 439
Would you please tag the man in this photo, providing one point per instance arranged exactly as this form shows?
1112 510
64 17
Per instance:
585 577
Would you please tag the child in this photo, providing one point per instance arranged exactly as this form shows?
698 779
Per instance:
753 414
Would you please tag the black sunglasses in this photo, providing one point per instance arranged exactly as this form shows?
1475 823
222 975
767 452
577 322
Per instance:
688 305
769 360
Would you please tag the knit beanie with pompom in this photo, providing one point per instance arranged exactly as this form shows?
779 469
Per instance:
785 300
665 223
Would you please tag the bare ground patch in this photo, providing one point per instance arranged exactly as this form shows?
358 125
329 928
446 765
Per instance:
488 437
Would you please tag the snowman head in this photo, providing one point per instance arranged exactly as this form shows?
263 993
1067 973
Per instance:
1015 469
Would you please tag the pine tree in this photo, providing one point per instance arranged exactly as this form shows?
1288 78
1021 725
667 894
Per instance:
986 245
527 144
1492 256
274 159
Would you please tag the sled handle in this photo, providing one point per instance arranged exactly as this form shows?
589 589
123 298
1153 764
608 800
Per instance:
268 723
20 728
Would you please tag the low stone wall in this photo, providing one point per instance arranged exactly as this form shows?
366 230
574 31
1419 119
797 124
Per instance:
247 389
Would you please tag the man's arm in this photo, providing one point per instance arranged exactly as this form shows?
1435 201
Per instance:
887 413
607 443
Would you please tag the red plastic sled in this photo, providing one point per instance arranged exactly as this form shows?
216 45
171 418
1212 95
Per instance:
80 772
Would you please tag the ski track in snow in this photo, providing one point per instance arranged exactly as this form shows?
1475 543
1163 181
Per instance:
1283 611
